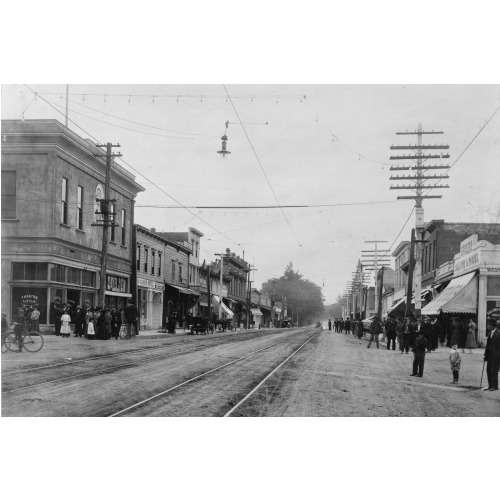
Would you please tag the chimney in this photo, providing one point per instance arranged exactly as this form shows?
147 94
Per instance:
153 229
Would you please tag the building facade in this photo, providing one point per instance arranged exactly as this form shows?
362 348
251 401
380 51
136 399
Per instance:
51 178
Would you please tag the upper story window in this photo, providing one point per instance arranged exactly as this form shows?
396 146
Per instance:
173 271
8 195
146 258
64 201
124 214
153 258
159 263
138 257
79 208
180 273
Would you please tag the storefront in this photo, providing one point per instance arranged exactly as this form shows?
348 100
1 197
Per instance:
475 288
150 303
116 294
257 317
51 283
178 303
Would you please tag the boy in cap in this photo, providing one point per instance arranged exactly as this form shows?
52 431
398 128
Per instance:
455 361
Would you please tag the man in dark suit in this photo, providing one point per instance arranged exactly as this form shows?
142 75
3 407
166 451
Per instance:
492 354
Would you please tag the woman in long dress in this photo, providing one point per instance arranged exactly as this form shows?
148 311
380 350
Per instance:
66 324
471 336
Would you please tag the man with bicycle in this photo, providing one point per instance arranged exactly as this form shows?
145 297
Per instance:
19 327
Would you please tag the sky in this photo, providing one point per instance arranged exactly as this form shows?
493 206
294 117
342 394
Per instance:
290 144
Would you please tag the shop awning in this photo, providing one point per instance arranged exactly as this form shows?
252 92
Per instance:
267 308
186 291
460 296
277 309
256 312
396 304
225 309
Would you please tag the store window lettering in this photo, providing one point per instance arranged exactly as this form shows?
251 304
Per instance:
116 284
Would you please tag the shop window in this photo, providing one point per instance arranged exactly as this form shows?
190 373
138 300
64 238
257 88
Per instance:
116 283
32 271
493 286
58 273
8 195
88 278
41 299
74 275
180 273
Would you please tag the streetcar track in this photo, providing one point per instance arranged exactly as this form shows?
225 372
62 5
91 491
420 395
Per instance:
269 375
192 379
111 369
122 353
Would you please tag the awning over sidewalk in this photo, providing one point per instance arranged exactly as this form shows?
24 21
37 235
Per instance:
396 304
185 291
117 294
256 312
460 296
225 309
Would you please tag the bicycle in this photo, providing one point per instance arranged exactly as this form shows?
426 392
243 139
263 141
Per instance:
31 341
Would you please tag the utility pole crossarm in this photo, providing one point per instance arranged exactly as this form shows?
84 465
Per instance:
419 157
416 146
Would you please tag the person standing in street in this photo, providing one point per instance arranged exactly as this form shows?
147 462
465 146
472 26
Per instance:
360 330
427 330
404 345
347 326
390 330
419 354
66 324
329 325
437 333
131 315
455 361
492 354
35 319
374 332
471 336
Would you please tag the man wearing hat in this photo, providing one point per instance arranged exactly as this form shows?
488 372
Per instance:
492 354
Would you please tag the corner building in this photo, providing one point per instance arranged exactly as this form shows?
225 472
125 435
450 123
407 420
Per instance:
51 178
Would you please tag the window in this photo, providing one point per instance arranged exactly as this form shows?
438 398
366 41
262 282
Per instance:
58 273
138 257
8 195
64 201
159 263
79 209
173 270
124 213
180 273
146 255
32 271
74 275
153 256
88 278
116 283
112 211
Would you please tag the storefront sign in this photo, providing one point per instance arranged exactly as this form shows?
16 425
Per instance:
150 284
494 312
468 244
29 300
444 269
467 263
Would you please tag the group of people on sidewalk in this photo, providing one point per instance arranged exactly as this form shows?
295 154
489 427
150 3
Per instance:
424 335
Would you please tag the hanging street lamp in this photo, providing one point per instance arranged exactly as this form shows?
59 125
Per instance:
223 152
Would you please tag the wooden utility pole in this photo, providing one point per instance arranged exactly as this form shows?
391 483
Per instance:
372 261
107 218
417 184
409 289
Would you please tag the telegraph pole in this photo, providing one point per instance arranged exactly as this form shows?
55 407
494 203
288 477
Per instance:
417 184
372 261
107 219
221 276
249 295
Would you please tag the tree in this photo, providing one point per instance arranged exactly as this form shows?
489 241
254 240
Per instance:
304 296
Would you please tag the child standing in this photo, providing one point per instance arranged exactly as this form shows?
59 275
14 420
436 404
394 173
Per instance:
455 360
65 324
